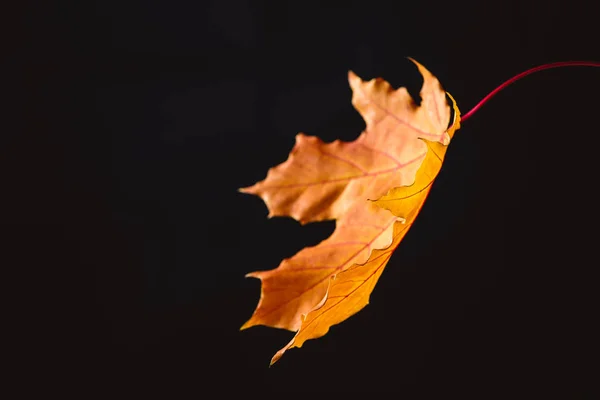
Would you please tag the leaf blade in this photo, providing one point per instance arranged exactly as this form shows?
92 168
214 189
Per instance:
373 187
355 284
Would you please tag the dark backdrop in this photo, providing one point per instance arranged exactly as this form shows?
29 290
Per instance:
137 121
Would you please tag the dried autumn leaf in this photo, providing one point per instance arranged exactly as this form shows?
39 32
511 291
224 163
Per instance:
349 290
336 181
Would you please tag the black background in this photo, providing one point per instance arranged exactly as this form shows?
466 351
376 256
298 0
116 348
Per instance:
136 121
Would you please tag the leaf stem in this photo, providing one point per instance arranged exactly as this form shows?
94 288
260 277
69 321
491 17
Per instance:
524 74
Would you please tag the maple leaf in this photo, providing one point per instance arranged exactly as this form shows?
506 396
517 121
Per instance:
373 187
349 290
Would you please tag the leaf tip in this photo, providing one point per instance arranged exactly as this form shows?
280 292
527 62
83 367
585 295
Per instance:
275 358
279 354
244 327
415 62
353 79
245 190
255 274
253 321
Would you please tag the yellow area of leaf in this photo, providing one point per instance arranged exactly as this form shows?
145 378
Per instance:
341 181
403 201
349 290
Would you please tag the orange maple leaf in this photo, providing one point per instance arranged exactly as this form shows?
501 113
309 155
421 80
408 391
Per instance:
373 187
349 290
